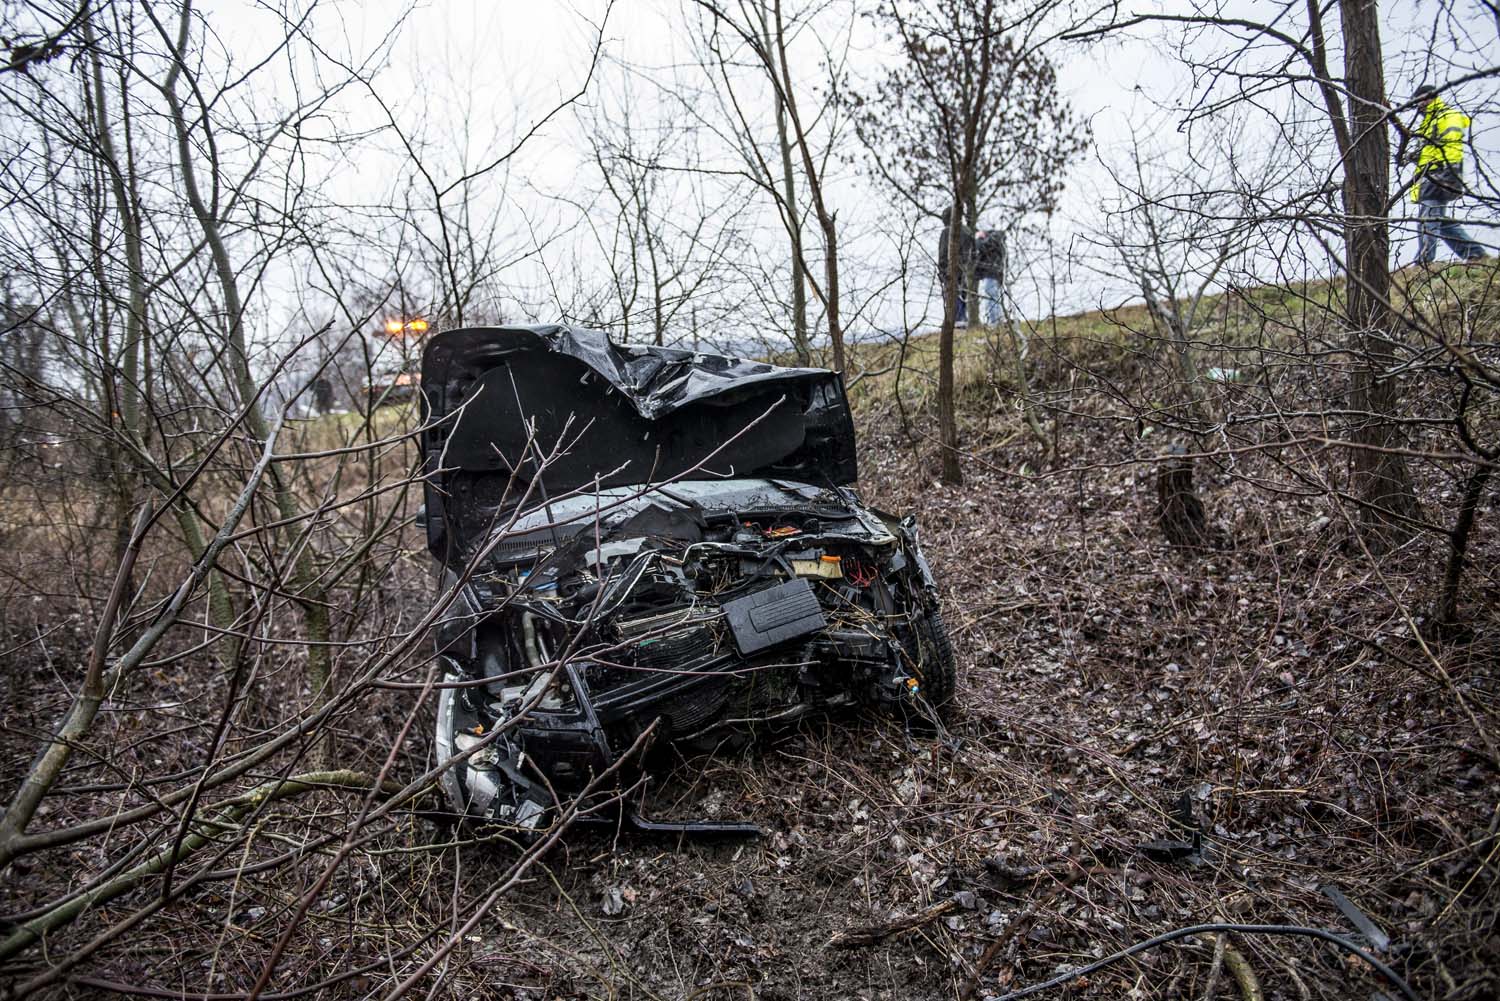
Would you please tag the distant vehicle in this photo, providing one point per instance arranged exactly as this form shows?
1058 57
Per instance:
693 559
399 387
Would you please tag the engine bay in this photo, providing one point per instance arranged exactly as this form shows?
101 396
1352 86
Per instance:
709 609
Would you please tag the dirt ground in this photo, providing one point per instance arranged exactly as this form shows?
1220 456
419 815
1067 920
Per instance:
1270 682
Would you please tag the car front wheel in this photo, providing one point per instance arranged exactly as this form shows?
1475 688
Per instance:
935 661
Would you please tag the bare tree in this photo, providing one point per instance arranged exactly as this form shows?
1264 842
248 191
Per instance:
1180 224
807 123
1356 114
970 118
150 227
664 230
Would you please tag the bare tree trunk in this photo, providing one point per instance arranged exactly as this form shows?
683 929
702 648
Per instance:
658 287
971 266
800 342
827 218
1178 508
1168 319
1380 476
1458 544
220 603
1017 357
130 222
310 594
831 283
119 403
1182 355
951 473
964 190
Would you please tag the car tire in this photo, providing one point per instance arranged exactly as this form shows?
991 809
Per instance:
935 660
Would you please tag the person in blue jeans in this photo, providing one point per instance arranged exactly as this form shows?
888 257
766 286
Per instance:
989 265
1435 222
1439 181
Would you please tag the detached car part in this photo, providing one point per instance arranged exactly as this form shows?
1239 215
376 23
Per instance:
646 536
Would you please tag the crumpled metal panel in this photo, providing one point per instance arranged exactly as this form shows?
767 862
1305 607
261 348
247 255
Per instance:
627 414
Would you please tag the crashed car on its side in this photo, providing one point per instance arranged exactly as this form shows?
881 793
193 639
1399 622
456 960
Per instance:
646 536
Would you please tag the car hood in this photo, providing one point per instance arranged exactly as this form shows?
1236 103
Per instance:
497 399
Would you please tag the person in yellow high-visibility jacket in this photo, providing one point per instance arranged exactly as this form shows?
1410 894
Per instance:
1439 181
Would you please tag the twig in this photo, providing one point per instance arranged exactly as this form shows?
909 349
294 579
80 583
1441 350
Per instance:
1215 967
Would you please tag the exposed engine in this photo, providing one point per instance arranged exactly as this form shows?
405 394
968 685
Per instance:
706 608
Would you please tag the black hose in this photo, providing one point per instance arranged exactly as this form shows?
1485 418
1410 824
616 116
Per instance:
1151 943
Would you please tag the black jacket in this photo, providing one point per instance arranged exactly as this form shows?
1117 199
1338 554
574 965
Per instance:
1441 183
965 245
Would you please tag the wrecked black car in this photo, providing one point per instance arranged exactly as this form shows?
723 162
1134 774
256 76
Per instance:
650 538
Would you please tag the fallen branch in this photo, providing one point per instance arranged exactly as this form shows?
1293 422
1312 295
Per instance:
856 938
1244 975
1218 942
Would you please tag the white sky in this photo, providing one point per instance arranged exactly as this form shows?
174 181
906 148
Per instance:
468 76
515 58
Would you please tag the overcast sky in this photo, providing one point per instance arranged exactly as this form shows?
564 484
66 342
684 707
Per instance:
474 74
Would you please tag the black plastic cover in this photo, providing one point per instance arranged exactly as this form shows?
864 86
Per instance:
775 615
625 415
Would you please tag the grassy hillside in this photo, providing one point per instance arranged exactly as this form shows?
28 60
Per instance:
1231 327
